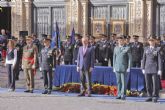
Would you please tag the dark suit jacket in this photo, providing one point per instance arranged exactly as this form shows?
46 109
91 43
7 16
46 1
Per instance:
85 61
152 61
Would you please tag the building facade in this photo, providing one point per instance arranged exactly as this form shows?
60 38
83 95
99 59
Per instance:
140 17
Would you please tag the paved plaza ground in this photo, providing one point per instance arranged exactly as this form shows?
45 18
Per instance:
19 100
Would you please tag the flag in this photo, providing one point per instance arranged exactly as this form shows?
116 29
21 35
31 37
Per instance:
72 38
56 38
53 42
57 35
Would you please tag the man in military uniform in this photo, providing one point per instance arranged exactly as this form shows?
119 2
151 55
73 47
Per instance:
162 52
47 59
76 48
19 46
152 67
95 45
112 45
103 50
122 60
137 51
29 63
68 51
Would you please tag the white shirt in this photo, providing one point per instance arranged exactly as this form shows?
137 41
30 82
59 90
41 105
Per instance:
13 61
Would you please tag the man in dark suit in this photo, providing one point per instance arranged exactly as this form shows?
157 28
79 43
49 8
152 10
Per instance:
137 51
152 68
85 65
76 48
122 60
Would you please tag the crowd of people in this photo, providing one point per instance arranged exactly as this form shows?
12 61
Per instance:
121 52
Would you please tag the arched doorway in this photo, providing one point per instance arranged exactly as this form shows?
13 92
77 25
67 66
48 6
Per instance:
5 18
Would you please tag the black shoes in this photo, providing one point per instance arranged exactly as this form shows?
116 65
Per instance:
81 94
47 92
148 100
119 97
28 91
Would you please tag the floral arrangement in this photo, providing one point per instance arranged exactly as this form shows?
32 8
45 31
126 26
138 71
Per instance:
96 89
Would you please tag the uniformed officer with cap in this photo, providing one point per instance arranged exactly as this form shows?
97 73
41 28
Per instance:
112 45
46 60
152 67
137 51
95 45
103 50
122 60
68 51
29 63
76 47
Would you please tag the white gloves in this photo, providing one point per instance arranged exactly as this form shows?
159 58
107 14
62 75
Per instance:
159 72
143 71
33 67
40 69
53 69
114 70
128 70
91 69
105 59
78 69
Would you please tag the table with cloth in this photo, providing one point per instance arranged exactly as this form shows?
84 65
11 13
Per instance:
102 75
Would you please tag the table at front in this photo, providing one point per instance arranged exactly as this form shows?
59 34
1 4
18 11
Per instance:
102 75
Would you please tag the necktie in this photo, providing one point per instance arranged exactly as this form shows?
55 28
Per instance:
84 50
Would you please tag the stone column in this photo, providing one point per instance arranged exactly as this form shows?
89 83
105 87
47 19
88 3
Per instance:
28 16
16 17
21 16
142 18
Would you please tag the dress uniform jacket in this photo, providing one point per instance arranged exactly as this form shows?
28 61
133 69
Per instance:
137 53
68 52
122 59
152 62
103 50
29 56
75 51
47 59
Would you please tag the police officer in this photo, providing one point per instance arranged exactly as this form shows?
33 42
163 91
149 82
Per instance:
163 56
137 51
95 45
29 63
68 51
76 47
46 59
122 61
152 67
112 45
103 50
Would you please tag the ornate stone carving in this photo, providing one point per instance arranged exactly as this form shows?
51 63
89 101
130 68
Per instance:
162 19
77 16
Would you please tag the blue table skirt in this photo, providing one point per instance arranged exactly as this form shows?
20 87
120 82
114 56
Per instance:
103 75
